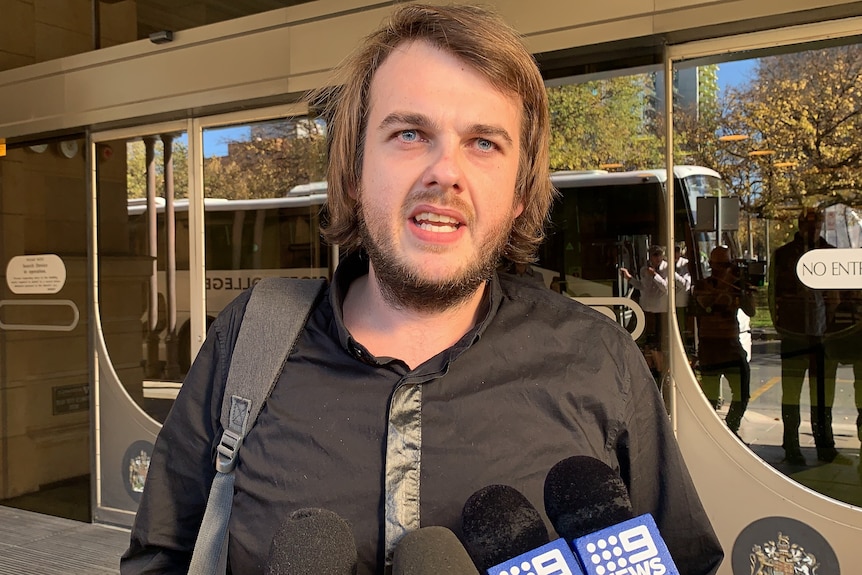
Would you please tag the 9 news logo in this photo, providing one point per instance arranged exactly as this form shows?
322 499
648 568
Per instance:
554 558
633 547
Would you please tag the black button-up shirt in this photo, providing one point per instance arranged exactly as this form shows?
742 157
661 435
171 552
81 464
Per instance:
540 378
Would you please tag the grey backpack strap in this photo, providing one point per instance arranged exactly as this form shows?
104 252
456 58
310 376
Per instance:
274 316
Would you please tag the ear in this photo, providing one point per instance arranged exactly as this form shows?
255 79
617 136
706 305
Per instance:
519 209
354 195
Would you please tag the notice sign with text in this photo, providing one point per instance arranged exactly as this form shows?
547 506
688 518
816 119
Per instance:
37 274
837 268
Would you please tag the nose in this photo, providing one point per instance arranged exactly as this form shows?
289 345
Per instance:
445 169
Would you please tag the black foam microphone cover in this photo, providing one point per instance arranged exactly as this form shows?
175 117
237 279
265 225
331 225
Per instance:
583 495
431 551
312 541
499 523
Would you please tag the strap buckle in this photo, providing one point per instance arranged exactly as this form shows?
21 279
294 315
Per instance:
227 450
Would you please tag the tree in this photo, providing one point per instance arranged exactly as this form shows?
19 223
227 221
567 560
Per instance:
136 169
785 139
277 157
800 116
604 121
806 106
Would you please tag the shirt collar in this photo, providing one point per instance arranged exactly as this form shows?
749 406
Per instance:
355 265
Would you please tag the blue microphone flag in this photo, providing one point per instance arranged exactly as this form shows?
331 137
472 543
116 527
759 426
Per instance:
554 558
633 547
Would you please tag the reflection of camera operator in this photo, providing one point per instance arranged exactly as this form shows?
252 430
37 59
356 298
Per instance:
719 297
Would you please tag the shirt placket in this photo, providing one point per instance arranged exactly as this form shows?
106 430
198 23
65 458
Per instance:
403 464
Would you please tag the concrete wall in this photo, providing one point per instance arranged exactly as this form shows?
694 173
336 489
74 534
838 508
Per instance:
33 31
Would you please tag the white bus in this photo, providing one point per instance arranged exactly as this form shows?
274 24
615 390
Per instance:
245 241
604 221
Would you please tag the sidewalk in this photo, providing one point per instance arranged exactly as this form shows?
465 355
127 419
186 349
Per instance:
36 544
840 479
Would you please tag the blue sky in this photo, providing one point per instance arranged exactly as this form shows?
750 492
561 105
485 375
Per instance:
734 73
215 139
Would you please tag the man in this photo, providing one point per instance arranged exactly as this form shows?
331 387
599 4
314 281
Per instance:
803 317
652 284
720 297
652 281
682 285
422 376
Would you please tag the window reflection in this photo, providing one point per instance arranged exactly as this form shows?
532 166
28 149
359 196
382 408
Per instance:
783 135
263 196
607 155
264 190
142 191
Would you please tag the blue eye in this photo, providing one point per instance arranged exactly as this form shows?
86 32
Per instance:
485 145
409 135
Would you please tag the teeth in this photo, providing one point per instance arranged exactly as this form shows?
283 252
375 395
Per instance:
438 229
430 217
444 224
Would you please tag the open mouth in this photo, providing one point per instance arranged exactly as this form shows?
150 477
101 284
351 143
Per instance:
436 223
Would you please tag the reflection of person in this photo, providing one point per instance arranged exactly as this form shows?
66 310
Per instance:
802 317
847 349
422 375
682 285
522 270
719 298
652 285
652 281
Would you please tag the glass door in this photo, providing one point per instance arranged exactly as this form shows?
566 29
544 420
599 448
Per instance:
264 187
780 127
141 260
44 381
190 214
770 412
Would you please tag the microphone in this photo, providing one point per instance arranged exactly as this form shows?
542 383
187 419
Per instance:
498 522
589 506
312 541
583 495
431 551
505 535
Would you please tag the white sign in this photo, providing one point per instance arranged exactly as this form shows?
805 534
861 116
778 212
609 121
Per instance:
45 273
831 269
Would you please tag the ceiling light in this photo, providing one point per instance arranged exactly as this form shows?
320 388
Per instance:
732 137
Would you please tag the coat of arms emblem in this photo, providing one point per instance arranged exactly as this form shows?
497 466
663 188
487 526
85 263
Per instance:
138 467
781 558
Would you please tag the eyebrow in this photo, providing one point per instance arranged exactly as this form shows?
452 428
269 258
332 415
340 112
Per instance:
406 118
423 121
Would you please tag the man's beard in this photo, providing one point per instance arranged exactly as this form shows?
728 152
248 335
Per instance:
402 286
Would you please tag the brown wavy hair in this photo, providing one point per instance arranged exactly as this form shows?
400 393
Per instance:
481 39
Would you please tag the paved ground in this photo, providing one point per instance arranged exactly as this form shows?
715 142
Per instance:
32 543
762 428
